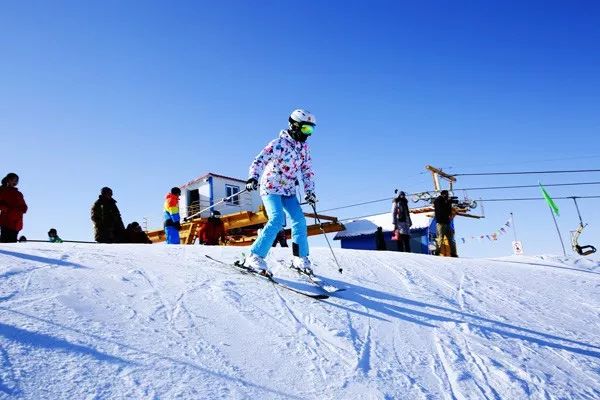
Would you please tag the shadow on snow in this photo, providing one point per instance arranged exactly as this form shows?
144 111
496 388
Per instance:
429 315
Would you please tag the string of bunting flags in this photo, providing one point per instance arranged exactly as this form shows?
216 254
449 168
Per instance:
492 236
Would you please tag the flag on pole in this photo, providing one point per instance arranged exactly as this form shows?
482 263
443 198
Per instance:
549 200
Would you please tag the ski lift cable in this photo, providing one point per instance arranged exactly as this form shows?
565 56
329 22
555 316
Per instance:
541 198
529 172
465 189
482 200
531 186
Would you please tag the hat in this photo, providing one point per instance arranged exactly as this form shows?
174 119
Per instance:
176 191
8 177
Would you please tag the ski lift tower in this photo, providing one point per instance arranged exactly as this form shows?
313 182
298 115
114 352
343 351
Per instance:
461 208
436 174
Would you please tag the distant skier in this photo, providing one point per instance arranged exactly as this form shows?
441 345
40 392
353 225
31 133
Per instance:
172 220
12 208
443 216
212 231
277 166
380 239
402 221
53 236
108 225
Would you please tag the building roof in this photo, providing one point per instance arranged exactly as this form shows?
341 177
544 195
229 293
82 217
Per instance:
200 178
368 225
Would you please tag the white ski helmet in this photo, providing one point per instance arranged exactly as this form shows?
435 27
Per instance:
302 117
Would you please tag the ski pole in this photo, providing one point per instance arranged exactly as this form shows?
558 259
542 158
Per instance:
326 238
217 203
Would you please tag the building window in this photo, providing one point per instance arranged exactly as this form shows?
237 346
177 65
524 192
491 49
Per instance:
230 190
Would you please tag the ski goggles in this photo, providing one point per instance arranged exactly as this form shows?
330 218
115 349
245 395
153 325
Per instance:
307 129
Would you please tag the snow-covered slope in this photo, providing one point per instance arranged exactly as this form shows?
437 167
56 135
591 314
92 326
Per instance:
164 322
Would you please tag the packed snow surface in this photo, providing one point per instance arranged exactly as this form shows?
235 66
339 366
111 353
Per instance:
84 321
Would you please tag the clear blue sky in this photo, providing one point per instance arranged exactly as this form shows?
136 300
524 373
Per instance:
142 96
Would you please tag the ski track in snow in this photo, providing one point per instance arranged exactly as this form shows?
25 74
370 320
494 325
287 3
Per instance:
150 322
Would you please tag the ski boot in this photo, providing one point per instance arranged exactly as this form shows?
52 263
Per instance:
258 264
303 265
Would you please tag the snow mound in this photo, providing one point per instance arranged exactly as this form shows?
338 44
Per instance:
163 322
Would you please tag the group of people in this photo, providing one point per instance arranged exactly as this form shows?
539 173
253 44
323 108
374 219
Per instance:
108 224
211 232
402 222
276 167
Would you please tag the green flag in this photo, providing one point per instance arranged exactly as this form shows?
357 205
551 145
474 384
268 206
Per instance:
549 200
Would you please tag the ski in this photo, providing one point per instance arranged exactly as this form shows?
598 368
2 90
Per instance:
312 278
244 269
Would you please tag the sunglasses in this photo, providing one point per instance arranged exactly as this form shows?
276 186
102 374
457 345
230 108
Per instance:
307 129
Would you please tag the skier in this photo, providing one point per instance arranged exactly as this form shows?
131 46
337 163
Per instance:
277 166
172 220
12 208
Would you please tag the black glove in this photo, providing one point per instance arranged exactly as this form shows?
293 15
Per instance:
311 198
177 225
251 184
168 222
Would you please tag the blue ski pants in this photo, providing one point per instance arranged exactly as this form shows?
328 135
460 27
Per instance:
172 235
275 205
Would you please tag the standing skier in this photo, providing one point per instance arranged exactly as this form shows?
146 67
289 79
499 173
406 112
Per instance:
172 220
277 166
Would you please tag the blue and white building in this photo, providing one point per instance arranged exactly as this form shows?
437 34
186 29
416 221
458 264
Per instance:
360 233
211 188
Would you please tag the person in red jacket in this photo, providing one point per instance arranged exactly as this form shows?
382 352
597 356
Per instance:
12 208
213 230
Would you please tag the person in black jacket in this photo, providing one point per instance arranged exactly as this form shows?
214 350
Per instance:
108 225
443 216
135 234
402 222
380 239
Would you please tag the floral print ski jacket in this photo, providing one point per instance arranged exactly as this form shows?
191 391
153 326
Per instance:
281 161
